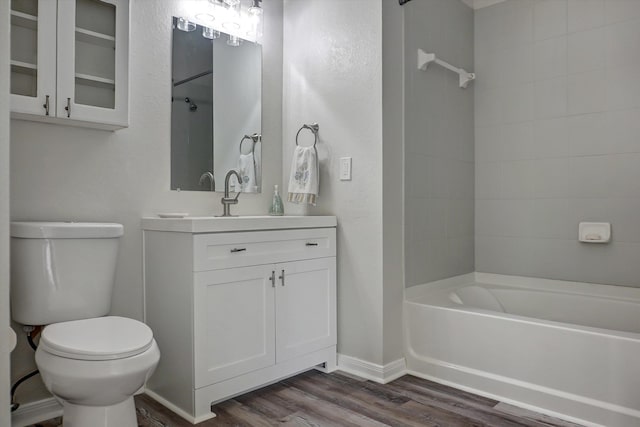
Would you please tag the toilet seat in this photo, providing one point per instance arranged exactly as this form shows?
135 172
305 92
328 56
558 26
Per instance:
101 338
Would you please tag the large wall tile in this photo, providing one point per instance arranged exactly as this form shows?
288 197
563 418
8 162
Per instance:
550 98
549 19
585 14
550 58
585 50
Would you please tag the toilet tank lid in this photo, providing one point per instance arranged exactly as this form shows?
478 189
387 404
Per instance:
65 230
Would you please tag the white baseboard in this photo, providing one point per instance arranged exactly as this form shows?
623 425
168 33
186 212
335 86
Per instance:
379 373
184 414
35 412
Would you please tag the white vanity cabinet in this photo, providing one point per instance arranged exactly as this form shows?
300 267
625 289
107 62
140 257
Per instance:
232 311
69 62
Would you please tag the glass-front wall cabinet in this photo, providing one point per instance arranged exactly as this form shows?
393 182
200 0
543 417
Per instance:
69 61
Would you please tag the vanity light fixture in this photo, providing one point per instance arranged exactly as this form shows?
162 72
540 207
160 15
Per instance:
210 33
185 25
242 19
231 26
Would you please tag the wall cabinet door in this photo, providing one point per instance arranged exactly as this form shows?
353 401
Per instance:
93 60
33 57
70 62
234 324
305 307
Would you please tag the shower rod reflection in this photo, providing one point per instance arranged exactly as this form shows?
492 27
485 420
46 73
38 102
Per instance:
195 76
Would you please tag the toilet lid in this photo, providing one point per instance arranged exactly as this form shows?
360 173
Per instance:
101 338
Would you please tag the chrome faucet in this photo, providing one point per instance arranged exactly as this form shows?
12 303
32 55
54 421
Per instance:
226 200
208 175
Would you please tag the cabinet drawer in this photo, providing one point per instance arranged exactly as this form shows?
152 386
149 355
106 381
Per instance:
226 250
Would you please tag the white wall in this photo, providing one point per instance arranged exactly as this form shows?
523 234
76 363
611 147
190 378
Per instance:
333 76
558 138
4 213
64 173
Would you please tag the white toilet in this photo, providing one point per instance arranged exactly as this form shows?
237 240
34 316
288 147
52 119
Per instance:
62 276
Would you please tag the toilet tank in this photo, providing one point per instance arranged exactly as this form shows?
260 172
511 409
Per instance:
62 270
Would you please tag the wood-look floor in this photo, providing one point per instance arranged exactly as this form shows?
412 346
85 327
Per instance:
316 399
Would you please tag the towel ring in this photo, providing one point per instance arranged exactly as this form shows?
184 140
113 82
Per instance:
255 138
313 128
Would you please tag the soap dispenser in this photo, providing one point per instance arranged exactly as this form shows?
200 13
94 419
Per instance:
277 207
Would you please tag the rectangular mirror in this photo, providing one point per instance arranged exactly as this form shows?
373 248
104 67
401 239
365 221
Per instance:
216 110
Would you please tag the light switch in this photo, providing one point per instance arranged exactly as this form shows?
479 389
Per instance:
345 169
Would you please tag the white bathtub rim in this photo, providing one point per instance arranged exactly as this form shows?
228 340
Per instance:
554 395
418 295
625 293
628 336
419 291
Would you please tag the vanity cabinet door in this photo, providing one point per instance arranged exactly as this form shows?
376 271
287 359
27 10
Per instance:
33 57
234 324
93 55
305 307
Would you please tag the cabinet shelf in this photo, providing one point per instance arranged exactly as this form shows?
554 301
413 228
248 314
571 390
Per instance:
24 20
96 38
95 80
24 67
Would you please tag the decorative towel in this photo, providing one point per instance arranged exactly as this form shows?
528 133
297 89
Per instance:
257 158
304 180
247 170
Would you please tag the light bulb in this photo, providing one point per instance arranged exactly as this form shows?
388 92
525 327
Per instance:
255 11
210 33
234 41
185 25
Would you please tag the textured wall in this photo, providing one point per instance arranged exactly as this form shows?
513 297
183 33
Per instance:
65 173
439 143
333 76
558 138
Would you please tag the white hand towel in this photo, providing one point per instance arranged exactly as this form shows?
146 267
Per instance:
304 180
247 170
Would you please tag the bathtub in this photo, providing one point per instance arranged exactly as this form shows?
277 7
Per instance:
570 350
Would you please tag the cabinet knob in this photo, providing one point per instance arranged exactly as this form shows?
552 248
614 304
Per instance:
273 279
234 250
281 277
68 107
311 244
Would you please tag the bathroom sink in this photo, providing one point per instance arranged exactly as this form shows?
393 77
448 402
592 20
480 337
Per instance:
212 224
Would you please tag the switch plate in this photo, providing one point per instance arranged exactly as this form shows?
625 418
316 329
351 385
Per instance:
345 169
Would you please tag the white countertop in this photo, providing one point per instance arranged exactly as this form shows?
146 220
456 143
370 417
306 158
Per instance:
210 224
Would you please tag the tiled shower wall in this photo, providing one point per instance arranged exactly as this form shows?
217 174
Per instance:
439 162
557 115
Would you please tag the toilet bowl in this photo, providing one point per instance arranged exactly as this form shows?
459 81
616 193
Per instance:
93 367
